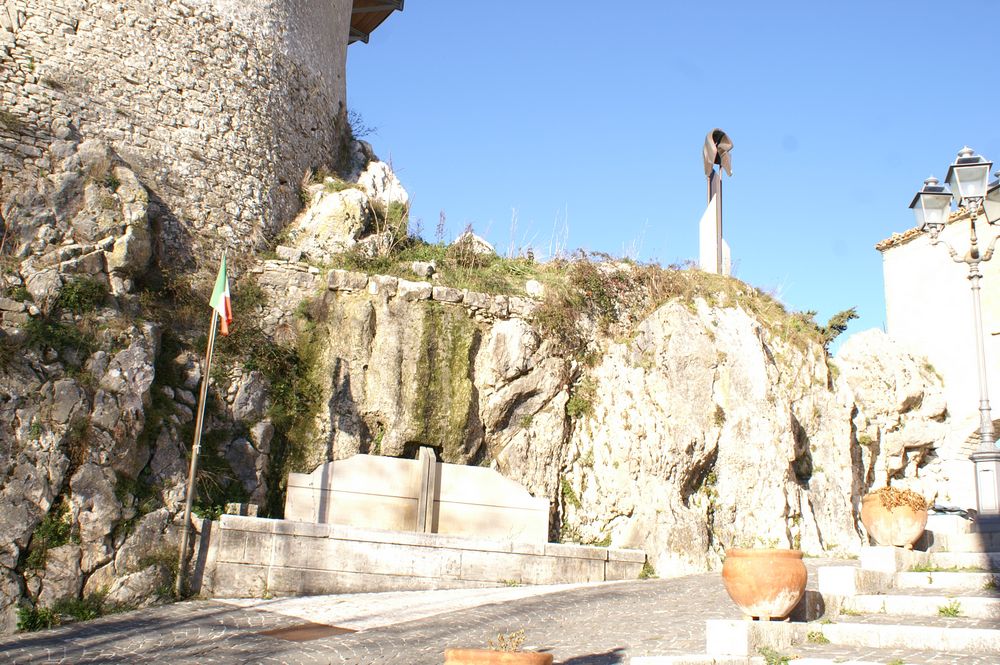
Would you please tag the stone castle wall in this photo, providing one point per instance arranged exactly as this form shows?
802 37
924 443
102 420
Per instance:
220 106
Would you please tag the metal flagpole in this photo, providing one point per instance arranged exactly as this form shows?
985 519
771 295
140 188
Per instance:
195 449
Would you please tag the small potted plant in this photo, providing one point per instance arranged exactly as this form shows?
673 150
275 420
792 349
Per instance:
894 517
504 651
765 581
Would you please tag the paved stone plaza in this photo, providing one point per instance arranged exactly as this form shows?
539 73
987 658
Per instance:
593 624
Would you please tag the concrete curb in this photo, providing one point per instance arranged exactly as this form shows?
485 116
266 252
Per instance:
696 660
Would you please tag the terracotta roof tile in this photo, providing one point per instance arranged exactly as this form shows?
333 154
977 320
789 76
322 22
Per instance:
897 239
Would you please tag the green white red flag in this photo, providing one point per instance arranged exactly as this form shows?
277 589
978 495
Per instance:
220 301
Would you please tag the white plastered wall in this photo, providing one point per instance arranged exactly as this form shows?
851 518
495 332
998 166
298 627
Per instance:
929 310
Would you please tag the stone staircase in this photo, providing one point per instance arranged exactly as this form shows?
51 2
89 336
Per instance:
938 603
940 598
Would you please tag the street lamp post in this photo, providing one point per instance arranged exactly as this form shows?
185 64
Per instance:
968 178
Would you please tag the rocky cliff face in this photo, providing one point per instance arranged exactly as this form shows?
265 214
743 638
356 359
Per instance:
704 428
710 431
75 386
681 426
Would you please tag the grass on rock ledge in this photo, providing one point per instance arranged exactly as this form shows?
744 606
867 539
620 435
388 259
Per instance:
592 290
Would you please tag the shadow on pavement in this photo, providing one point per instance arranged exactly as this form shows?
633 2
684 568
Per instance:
612 657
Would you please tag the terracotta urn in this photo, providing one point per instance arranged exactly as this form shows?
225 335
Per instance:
491 657
900 526
765 583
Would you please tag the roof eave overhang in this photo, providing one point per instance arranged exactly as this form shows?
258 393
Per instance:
367 15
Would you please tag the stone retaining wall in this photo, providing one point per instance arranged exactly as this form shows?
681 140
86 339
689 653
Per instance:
289 283
253 557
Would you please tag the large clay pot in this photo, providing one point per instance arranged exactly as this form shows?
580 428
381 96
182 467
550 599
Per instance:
900 526
491 657
765 583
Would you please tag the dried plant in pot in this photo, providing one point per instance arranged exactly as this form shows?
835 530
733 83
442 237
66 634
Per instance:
894 517
765 582
503 651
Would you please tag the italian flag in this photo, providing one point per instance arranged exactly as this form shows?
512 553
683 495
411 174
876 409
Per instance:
220 301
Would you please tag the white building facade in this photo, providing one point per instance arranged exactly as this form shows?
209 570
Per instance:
928 304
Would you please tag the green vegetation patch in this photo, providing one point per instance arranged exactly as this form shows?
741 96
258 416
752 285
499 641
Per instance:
931 568
294 393
647 572
951 609
569 495
64 610
20 293
772 657
54 530
217 484
457 266
581 400
49 332
817 637
444 404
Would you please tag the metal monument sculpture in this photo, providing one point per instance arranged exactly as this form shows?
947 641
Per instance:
713 250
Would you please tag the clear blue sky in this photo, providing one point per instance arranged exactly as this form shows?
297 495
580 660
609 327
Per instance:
580 113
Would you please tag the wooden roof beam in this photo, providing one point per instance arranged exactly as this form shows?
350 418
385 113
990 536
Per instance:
358 36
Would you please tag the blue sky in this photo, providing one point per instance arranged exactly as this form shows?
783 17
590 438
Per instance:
578 115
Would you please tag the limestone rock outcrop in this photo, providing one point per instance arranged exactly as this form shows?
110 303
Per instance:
706 431
473 243
76 372
365 208
902 424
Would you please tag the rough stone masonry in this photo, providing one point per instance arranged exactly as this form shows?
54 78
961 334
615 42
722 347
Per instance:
219 106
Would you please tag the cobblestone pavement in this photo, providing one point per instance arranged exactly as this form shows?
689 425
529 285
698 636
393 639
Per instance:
585 625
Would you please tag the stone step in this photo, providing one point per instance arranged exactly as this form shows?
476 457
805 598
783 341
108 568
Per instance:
821 655
987 524
947 580
839 582
827 654
966 561
974 607
938 523
729 638
963 542
895 559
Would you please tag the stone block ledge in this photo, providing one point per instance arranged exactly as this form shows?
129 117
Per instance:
483 304
342 532
255 557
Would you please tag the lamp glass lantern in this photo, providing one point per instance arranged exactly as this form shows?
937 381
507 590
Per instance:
968 175
931 205
991 204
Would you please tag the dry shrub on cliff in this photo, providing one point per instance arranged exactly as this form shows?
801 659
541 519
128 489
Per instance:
456 267
595 290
